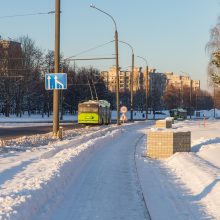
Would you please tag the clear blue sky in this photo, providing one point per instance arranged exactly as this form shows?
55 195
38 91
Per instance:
170 34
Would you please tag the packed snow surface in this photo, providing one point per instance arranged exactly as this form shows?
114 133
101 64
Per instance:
103 173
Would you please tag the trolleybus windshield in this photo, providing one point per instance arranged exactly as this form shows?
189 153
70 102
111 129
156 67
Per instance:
88 108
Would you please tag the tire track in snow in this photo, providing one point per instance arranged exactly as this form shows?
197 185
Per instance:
138 178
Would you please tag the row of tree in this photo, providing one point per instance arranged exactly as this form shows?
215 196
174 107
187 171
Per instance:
22 86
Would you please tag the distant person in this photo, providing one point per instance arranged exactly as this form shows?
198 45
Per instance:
143 115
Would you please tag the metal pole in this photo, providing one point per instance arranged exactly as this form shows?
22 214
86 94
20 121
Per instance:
214 100
131 79
117 77
190 99
117 66
61 98
56 69
131 85
147 91
147 85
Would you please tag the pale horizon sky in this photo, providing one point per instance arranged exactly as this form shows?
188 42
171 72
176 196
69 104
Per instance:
170 34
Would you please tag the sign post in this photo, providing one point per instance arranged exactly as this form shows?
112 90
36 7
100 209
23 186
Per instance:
123 110
55 82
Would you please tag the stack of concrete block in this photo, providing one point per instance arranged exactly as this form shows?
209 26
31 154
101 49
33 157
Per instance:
163 124
163 144
170 119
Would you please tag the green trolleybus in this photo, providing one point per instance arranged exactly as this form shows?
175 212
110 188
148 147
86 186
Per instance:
94 112
178 114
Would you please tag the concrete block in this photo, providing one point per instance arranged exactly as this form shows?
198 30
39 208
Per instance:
163 144
163 124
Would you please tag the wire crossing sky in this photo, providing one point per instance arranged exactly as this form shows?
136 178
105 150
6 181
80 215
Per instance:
170 34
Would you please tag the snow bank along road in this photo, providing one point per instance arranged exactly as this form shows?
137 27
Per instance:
92 174
186 185
89 177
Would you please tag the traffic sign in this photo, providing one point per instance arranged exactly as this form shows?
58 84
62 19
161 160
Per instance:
123 109
55 81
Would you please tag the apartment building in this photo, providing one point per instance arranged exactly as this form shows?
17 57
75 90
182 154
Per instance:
157 82
180 81
10 57
139 78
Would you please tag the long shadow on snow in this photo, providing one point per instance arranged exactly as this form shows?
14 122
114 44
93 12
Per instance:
205 191
8 174
197 147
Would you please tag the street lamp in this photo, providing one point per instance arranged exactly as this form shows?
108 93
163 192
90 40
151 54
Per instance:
190 94
131 79
147 85
116 62
214 99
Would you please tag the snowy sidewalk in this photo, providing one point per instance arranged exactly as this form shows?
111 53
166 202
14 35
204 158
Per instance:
89 177
104 185
186 185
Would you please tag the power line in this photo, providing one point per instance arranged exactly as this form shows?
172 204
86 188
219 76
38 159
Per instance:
98 58
23 15
93 48
70 58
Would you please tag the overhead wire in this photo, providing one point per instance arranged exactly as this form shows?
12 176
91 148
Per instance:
90 49
30 14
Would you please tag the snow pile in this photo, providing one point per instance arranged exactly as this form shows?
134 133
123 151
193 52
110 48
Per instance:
45 174
200 177
186 185
31 142
34 118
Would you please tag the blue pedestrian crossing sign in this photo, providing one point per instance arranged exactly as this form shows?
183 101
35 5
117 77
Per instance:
55 81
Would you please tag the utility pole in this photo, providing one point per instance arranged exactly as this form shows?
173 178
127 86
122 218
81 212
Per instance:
117 78
147 85
190 99
214 100
131 78
56 69
61 97
147 91
116 61
131 86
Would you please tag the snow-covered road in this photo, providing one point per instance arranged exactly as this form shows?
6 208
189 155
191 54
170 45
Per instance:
103 173
104 186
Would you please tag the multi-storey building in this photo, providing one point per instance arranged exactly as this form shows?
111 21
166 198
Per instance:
180 82
10 57
109 78
157 82
10 69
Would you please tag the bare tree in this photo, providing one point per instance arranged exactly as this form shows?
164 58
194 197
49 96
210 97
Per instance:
213 48
10 69
171 97
32 58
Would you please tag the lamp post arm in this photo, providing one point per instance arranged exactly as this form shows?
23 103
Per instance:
143 59
131 80
128 45
93 6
